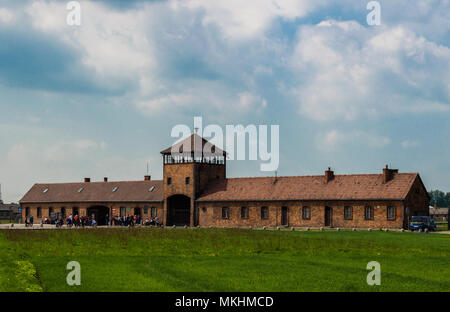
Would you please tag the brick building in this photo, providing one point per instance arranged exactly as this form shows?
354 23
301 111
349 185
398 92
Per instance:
195 191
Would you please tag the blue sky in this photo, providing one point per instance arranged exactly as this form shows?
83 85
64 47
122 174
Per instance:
100 99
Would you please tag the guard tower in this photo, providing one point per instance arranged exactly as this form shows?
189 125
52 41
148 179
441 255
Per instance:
188 167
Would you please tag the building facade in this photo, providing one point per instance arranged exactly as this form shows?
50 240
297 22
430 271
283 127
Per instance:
196 192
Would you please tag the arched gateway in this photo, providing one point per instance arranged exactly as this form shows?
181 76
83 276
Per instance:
178 210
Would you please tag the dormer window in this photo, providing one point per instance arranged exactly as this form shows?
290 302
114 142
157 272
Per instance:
45 191
81 190
115 189
151 188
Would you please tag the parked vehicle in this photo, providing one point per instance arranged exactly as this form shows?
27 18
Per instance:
422 223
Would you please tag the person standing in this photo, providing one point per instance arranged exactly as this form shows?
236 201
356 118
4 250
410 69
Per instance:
31 220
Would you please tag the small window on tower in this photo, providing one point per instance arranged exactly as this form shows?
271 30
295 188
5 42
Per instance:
169 181
188 180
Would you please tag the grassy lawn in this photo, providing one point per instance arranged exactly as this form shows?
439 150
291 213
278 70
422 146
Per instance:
442 226
222 260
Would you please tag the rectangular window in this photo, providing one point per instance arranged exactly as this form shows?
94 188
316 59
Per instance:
122 211
50 211
306 213
368 213
224 212
169 181
63 212
145 210
264 213
391 213
188 180
39 212
244 212
153 212
348 212
75 211
27 211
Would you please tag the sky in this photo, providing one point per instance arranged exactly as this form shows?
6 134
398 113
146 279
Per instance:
100 99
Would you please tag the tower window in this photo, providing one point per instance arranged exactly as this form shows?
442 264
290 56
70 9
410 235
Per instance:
264 213
169 180
188 180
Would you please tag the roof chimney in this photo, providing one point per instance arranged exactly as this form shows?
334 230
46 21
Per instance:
329 175
86 180
388 174
147 178
105 179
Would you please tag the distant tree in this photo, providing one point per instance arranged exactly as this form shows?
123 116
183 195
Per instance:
440 198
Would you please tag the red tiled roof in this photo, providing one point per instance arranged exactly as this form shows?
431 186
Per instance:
127 191
188 145
342 187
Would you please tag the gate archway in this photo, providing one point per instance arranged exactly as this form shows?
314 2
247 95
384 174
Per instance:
178 210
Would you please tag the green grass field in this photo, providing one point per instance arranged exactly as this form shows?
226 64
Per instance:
123 259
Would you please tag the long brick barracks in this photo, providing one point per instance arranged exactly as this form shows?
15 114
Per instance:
195 191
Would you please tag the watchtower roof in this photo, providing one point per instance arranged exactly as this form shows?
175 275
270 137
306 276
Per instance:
194 144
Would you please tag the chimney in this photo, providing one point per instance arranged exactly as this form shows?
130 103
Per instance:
329 175
105 179
147 178
388 174
86 180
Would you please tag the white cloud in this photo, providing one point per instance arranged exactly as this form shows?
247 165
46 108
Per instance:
336 139
208 98
6 16
243 19
112 43
346 71
410 144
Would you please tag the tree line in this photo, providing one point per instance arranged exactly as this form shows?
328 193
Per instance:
440 198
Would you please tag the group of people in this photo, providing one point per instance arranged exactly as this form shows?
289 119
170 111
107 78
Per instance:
29 222
133 220
90 221
79 221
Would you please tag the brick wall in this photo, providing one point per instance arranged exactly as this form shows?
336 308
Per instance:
210 214
82 209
